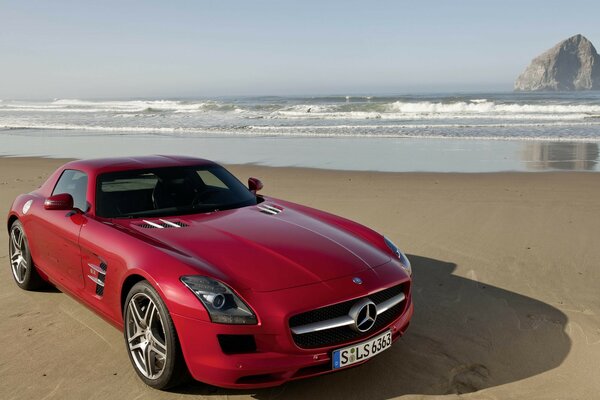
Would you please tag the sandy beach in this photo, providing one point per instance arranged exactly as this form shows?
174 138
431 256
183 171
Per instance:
506 292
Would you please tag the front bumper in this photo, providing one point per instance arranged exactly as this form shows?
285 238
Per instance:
278 358
207 363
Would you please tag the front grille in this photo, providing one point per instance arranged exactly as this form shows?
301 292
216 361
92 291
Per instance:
343 334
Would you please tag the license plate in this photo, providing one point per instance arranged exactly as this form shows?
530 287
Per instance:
361 351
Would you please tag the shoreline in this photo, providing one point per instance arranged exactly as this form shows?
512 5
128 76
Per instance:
351 154
505 295
301 169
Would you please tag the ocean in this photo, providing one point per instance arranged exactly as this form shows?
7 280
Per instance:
423 122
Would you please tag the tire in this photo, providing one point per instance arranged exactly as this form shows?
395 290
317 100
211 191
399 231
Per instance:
21 265
151 339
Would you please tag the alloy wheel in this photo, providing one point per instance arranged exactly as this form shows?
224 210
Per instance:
18 254
146 336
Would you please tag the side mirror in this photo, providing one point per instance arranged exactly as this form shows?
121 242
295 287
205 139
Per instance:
254 184
62 201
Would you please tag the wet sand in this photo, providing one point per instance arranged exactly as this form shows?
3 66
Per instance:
506 292
345 153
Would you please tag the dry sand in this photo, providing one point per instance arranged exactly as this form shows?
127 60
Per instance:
507 299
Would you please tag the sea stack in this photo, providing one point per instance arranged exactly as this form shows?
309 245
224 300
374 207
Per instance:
572 64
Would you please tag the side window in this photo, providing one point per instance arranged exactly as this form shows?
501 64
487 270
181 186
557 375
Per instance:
75 183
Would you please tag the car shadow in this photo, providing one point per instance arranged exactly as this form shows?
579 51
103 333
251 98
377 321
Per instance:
48 288
465 336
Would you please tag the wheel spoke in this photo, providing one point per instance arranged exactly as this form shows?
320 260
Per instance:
135 315
141 357
159 346
22 272
148 361
149 314
15 258
158 351
14 240
138 346
138 334
21 239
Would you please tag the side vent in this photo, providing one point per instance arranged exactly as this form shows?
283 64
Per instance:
100 276
161 224
267 209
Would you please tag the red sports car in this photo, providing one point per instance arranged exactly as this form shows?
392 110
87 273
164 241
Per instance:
207 277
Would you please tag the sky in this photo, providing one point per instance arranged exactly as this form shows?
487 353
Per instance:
196 48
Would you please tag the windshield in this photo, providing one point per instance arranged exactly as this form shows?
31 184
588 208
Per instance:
169 191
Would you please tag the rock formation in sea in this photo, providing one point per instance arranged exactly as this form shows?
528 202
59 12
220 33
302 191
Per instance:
572 64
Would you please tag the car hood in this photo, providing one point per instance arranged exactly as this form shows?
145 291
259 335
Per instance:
264 248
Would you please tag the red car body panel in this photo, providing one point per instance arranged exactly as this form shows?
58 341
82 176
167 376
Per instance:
280 265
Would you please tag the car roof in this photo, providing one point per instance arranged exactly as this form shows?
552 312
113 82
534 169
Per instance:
101 165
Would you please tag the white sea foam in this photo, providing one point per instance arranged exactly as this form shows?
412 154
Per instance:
137 105
488 107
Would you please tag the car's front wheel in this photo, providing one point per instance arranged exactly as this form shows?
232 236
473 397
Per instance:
21 264
151 338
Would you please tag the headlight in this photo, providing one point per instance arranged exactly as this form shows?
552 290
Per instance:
401 256
223 306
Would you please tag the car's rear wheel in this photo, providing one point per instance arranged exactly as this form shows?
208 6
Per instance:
151 338
21 264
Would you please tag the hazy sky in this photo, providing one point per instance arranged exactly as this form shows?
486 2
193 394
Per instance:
110 49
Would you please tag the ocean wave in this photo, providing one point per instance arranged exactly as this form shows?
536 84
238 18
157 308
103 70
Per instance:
318 109
76 105
399 116
125 104
429 126
48 110
483 116
427 131
96 128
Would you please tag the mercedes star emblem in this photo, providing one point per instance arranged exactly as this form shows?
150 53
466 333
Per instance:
364 314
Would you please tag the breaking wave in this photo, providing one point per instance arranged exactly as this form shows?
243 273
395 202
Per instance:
339 109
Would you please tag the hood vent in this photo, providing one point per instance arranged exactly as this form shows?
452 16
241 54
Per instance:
161 224
267 209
